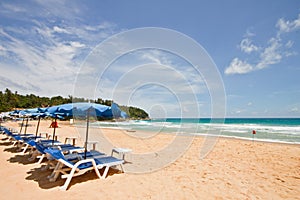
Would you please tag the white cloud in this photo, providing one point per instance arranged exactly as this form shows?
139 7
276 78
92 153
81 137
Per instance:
249 33
57 58
238 112
247 46
77 44
68 10
295 109
13 8
60 30
91 34
269 56
102 26
3 51
152 58
43 58
143 77
238 67
272 54
288 26
289 44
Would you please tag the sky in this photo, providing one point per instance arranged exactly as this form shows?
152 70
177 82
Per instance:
171 58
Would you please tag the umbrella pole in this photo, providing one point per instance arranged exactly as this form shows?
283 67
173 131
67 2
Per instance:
21 126
37 127
87 133
26 126
54 130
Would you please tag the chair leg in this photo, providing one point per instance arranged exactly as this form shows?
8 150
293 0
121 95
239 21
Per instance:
34 155
105 172
41 158
14 143
96 170
70 176
54 175
122 169
25 149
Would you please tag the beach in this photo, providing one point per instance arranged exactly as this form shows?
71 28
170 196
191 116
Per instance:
233 169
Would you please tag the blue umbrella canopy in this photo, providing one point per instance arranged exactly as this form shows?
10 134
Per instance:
117 112
27 113
85 110
32 112
14 113
80 109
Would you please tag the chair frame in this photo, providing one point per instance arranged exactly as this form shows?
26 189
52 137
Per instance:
66 164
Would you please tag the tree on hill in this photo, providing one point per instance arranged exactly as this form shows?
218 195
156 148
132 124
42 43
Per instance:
10 101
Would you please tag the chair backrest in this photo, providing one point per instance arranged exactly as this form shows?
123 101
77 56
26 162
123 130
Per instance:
7 132
31 142
58 155
55 153
17 137
40 147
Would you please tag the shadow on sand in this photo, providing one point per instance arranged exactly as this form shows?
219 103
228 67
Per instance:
21 159
13 149
41 177
7 143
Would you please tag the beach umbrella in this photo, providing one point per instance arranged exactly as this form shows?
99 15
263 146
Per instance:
117 112
14 113
64 110
52 112
39 116
67 110
86 110
37 127
27 118
21 125
87 132
93 109
23 114
98 110
80 109
30 113
30 110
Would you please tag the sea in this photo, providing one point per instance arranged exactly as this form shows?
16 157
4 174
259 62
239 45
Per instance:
282 130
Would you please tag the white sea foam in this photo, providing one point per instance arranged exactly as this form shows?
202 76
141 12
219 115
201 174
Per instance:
270 133
246 138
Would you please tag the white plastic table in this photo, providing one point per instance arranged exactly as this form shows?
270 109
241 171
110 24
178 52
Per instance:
70 139
121 152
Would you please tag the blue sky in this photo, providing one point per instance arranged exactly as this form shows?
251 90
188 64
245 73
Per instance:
254 44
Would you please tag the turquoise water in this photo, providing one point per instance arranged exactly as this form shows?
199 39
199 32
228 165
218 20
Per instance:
267 129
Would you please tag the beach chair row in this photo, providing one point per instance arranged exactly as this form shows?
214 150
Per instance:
66 160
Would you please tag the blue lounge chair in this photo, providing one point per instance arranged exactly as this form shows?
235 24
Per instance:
43 145
17 138
80 166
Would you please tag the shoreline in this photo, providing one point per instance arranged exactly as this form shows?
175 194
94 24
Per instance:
274 131
197 135
146 132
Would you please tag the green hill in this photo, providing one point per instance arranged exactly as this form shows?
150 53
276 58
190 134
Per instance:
10 101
